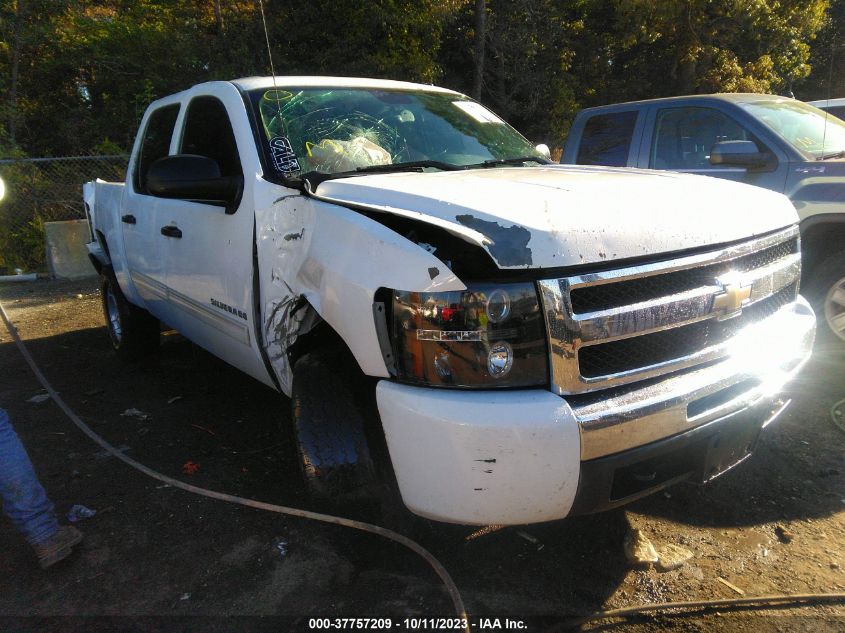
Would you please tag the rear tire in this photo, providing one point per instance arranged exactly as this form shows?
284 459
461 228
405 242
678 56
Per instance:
826 292
329 420
133 332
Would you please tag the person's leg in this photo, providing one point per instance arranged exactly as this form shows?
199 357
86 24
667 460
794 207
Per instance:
24 500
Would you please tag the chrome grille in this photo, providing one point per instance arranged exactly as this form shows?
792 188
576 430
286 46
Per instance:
667 345
624 325
605 296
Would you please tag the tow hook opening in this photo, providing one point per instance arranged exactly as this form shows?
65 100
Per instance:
654 473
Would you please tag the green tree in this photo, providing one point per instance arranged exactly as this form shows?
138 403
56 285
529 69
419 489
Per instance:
77 75
827 58
80 73
525 71
24 27
669 48
639 49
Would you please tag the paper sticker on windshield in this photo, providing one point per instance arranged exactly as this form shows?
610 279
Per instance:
284 160
477 111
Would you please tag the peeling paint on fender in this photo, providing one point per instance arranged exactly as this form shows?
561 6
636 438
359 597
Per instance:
508 245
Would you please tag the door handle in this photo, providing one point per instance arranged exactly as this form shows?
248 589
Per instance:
171 231
128 219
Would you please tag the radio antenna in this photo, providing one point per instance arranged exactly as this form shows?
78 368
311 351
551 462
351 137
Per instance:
272 68
267 39
829 90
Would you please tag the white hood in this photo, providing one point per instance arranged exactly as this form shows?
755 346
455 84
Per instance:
544 217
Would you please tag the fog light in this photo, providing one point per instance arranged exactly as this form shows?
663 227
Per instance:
498 306
499 359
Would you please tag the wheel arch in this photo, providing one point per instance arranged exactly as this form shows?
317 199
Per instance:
100 257
133 332
822 236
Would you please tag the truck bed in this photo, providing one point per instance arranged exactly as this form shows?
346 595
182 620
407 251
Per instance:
102 204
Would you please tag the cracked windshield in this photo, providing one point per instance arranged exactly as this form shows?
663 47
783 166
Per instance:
345 130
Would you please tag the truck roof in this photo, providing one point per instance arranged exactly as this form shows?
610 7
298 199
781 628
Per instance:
732 97
252 83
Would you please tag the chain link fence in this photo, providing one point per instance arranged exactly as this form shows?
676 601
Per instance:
40 190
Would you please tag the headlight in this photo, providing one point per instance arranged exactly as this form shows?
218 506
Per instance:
490 335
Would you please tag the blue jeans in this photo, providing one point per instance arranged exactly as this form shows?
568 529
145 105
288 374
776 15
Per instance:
24 499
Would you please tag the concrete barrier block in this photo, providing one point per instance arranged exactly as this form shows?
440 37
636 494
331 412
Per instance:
67 257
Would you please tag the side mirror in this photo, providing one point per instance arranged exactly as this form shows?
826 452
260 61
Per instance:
739 153
544 150
193 177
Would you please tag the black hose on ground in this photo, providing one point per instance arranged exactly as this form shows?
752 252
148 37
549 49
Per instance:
438 568
760 601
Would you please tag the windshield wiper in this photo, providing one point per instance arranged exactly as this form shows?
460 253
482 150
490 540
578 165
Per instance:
516 160
839 154
410 165
317 177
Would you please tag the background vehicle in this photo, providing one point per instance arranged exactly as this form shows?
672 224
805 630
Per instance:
836 107
528 341
773 142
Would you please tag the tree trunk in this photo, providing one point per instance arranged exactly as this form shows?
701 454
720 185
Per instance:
17 45
687 76
218 17
480 46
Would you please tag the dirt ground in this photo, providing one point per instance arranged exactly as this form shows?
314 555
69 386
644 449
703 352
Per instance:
154 555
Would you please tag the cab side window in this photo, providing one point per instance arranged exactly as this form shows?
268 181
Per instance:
155 144
208 132
607 139
684 137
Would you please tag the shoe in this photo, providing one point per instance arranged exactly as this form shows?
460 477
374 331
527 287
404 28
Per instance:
57 547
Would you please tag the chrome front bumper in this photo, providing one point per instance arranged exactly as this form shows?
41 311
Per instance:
763 357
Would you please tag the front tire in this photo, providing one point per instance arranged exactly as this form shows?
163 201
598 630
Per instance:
827 294
133 332
329 418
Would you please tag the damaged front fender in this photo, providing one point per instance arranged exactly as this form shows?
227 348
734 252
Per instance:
319 261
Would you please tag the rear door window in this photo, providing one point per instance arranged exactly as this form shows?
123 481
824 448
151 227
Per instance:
606 139
156 142
684 137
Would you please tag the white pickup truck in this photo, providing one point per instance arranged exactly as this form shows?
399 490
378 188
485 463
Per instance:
528 341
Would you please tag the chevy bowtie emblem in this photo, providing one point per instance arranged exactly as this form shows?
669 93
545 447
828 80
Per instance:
730 300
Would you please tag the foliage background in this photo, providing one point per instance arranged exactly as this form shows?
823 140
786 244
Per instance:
75 76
